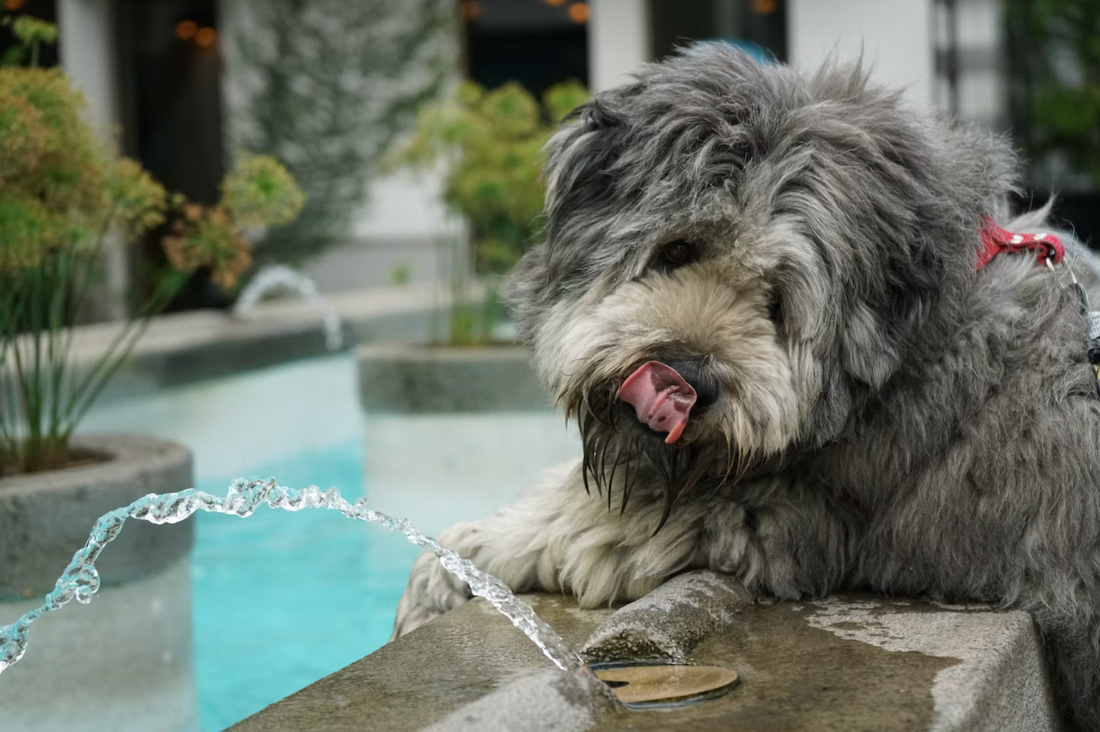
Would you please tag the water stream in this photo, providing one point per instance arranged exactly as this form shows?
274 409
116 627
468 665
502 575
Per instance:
279 276
80 580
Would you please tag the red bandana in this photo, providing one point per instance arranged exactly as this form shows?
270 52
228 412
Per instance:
996 240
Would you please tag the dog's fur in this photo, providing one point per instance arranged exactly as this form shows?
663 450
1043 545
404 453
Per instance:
889 418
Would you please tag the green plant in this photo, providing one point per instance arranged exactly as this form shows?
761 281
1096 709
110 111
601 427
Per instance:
1055 75
400 274
490 143
63 195
29 33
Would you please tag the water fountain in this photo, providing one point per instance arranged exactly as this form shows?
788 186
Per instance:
279 276
637 686
80 580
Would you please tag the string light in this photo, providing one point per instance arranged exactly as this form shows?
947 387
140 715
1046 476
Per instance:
555 3
186 29
12 5
469 9
579 12
764 7
205 37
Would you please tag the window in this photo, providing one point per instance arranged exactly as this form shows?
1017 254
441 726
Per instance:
758 26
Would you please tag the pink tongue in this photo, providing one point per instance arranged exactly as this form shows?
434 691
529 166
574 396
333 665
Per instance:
660 397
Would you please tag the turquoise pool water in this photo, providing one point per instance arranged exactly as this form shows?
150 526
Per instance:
283 599
279 600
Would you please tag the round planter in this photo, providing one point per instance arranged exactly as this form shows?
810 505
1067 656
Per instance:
414 379
451 434
124 662
46 517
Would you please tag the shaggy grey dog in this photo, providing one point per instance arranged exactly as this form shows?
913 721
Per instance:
758 297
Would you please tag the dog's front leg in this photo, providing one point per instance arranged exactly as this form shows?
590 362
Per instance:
558 538
778 537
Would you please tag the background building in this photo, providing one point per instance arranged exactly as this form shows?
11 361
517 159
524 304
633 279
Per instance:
175 76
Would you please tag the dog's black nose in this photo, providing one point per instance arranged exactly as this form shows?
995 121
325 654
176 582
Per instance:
695 372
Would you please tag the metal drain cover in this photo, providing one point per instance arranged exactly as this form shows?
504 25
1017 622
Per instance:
652 685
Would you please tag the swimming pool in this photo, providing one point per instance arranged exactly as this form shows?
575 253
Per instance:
282 599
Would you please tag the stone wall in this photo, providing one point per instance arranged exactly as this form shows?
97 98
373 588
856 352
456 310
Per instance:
845 663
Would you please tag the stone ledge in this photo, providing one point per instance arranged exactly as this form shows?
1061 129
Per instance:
417 379
847 663
420 679
565 702
180 348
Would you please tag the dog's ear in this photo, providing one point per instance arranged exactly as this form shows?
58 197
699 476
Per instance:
897 202
579 157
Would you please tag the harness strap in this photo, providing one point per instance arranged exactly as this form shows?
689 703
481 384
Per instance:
996 240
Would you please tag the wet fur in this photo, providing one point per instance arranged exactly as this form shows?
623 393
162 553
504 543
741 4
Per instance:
889 419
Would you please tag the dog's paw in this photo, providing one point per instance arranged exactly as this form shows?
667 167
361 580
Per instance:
431 592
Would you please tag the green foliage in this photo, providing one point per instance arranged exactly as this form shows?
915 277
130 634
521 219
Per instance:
62 192
491 145
30 34
324 86
260 192
48 153
1056 85
400 274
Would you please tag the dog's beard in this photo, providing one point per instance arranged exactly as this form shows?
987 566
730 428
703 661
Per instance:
620 454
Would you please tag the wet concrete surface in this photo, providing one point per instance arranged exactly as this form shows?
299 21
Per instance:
798 677
421 678
850 663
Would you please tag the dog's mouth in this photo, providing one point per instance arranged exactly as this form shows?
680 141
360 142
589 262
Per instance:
662 399
634 434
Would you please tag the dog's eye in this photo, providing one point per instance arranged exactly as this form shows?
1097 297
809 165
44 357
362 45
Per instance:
680 252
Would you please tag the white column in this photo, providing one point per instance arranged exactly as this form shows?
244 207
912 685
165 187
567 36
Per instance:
86 43
895 38
618 41
983 83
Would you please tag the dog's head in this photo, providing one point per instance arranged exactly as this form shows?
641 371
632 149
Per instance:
736 254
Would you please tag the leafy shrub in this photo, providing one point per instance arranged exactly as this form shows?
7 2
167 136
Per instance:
490 143
63 194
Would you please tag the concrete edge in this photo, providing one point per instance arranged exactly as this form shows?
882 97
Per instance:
404 378
843 662
999 679
1012 670
181 348
546 700
129 456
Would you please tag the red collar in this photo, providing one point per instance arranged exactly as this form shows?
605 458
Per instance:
996 240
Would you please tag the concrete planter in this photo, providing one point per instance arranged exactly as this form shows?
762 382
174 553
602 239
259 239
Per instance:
413 379
125 661
446 422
